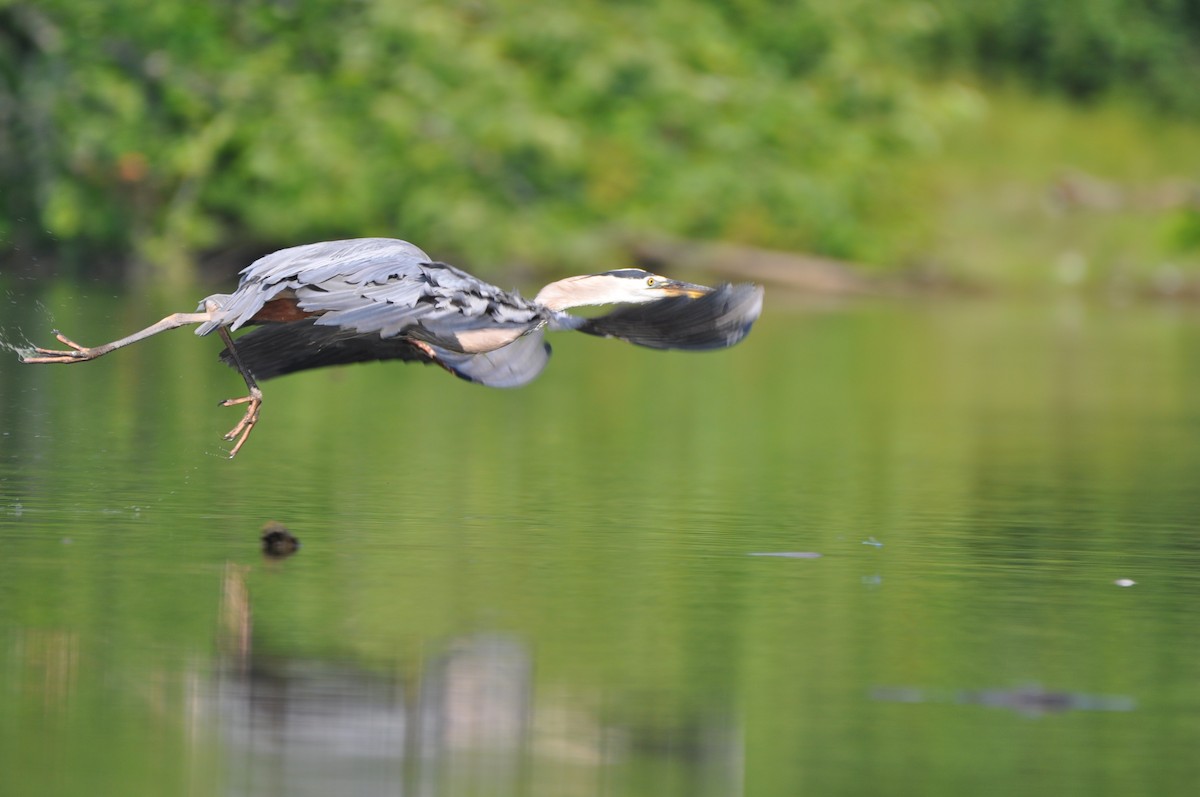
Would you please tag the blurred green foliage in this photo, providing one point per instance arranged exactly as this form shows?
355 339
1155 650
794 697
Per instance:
498 133
1079 48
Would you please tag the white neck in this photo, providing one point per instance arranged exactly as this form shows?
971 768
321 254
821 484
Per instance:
564 294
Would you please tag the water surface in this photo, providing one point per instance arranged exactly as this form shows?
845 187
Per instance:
877 548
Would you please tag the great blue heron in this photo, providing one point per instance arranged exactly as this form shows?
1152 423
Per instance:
383 299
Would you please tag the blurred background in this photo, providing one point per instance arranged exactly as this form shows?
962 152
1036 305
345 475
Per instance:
1007 145
935 535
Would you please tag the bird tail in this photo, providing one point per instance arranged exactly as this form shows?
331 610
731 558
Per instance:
716 320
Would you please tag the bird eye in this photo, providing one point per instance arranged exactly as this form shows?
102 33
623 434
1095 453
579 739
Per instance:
649 282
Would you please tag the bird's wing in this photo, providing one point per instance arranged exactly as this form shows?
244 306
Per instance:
436 304
385 287
513 365
358 261
717 319
278 349
368 259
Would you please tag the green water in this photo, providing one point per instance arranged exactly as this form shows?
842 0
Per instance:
551 591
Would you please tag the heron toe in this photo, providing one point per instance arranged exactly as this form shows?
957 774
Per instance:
76 353
242 431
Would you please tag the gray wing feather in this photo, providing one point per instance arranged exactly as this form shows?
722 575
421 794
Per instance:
369 259
316 268
513 365
404 291
373 317
383 286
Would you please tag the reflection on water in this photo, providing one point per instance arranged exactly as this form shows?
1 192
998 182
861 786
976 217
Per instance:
808 565
1028 700
463 723
295 727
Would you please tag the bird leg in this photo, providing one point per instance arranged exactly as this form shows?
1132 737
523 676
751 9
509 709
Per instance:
253 401
78 354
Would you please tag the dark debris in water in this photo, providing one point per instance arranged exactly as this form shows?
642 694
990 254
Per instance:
277 541
1028 700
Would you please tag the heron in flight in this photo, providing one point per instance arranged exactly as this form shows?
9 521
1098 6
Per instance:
384 299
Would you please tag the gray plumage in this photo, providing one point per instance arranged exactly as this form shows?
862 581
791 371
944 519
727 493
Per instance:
371 299
373 285
368 299
385 299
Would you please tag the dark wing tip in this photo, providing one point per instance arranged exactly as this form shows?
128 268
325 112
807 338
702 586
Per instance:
715 320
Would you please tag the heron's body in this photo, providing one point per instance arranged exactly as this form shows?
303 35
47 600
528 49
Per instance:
380 299
340 302
379 287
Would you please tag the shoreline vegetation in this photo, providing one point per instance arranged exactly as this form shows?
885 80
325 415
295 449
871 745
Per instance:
836 148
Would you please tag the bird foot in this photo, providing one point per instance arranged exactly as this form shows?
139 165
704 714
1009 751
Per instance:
75 354
242 431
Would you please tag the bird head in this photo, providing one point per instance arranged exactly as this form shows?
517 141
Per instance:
621 286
